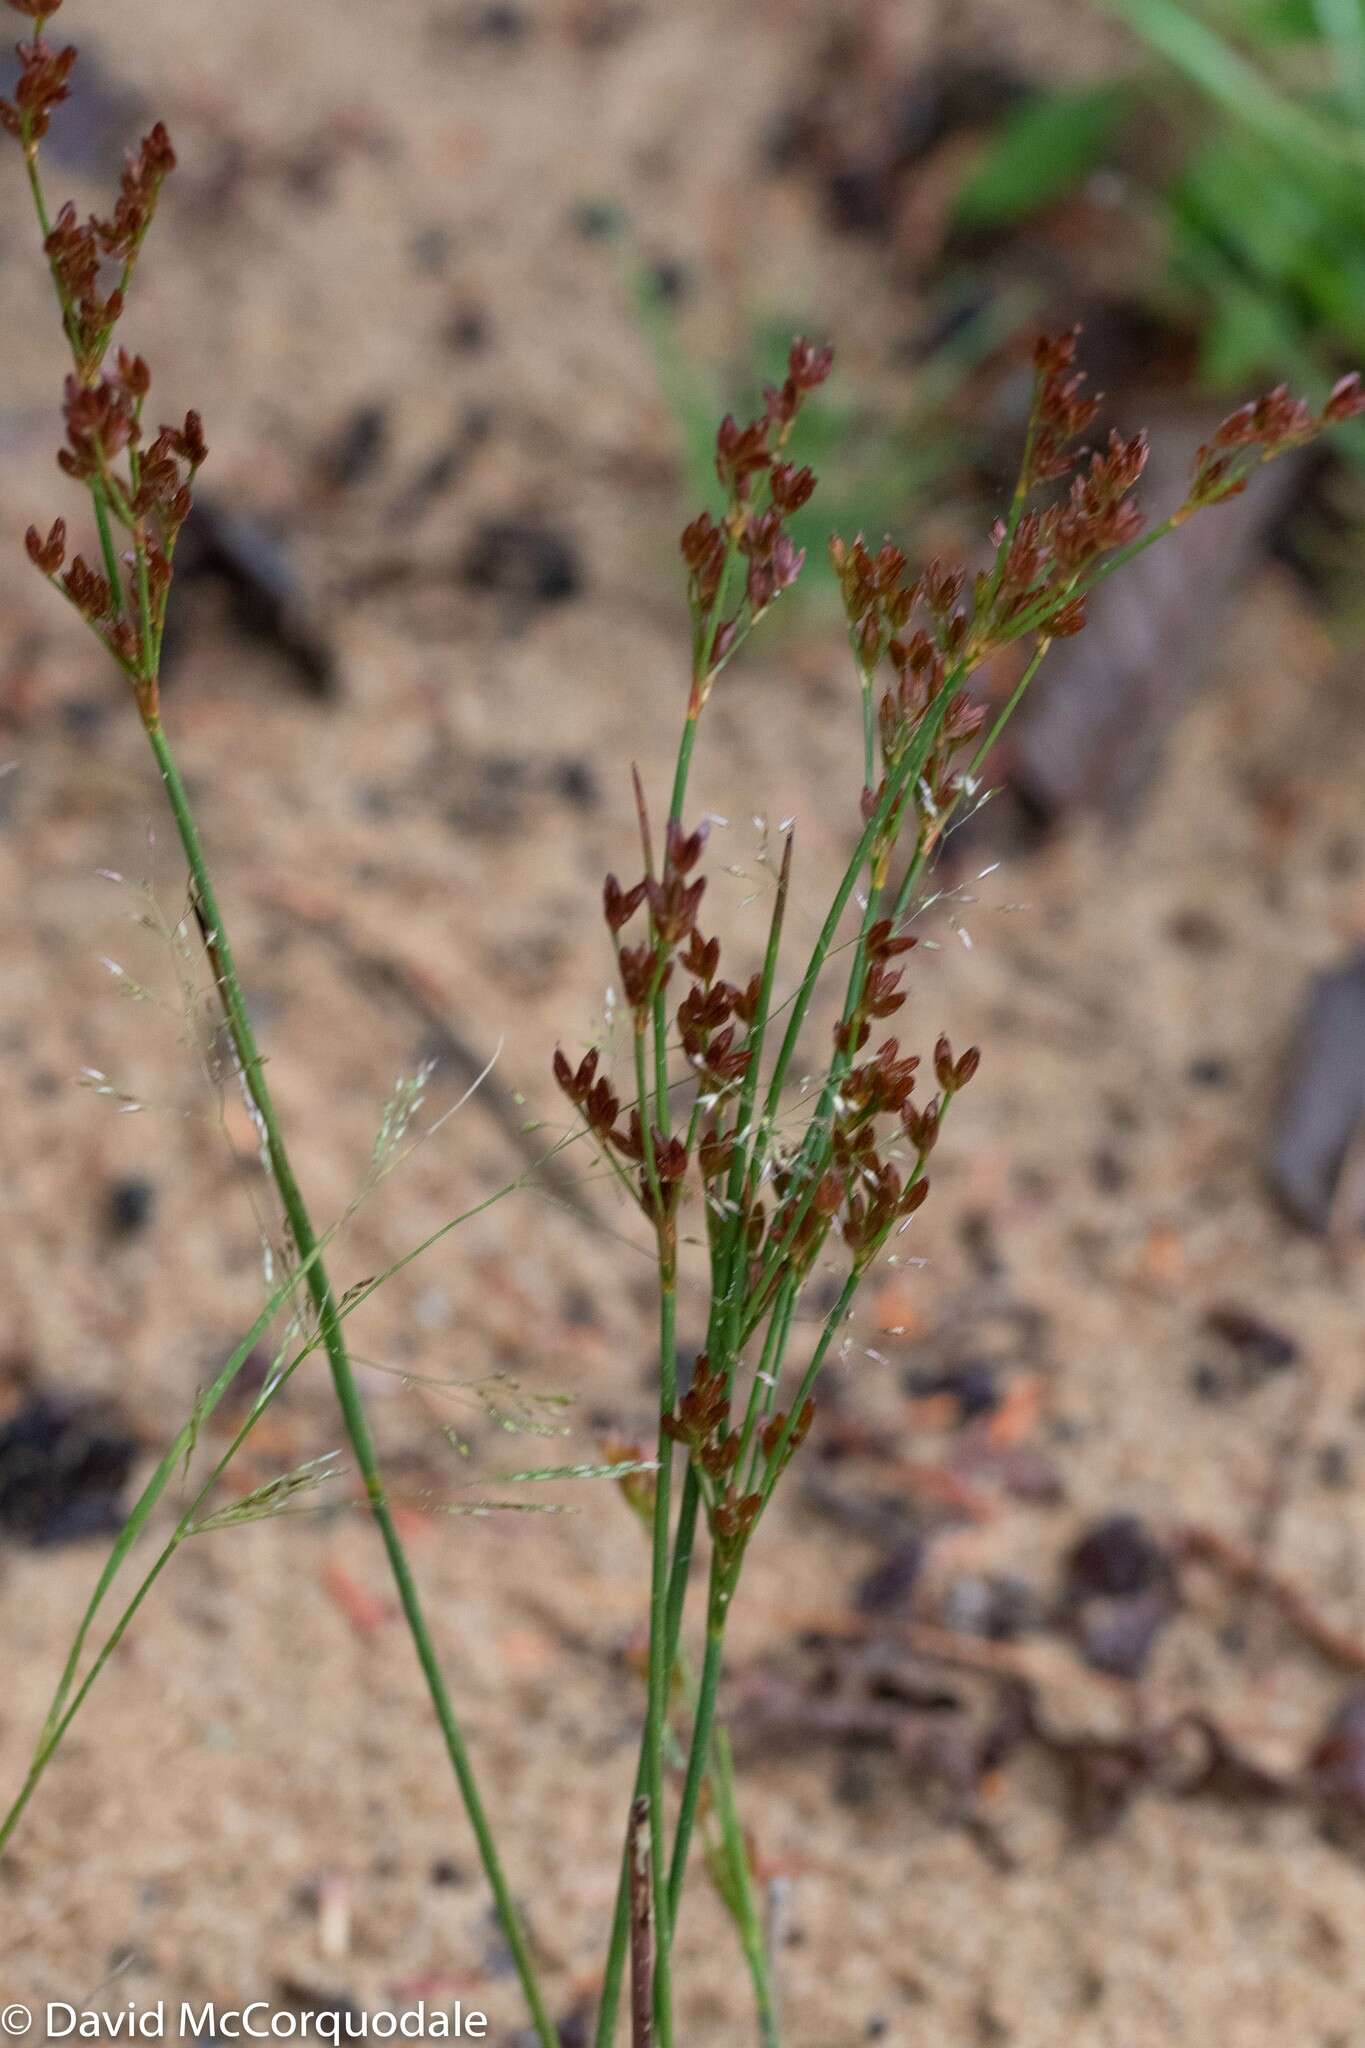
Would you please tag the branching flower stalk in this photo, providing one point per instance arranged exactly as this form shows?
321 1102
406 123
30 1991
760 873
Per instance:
141 491
854 1171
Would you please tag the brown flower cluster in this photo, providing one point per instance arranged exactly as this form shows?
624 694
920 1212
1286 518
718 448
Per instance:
1256 433
936 629
599 1105
76 249
762 491
43 75
143 489
152 501
1061 410
876 1195
672 899
852 1178
702 1424
858 1170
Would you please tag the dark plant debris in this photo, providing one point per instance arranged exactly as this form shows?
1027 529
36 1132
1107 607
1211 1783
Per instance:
64 1465
954 1713
267 601
1316 1155
1259 1347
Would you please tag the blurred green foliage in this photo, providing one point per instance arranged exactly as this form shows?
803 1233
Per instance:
1262 197
1047 146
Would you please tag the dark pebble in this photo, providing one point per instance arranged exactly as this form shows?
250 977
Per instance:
523 559
1260 1347
890 1583
85 717
1336 1764
358 449
1208 1071
338 2005
1116 1557
131 1205
63 1467
576 781
1207 1383
669 282
579 1309
1198 931
977 1233
1118 1636
257 570
1335 1466
973 1384
855 1782
466 331
1322 1104
502 23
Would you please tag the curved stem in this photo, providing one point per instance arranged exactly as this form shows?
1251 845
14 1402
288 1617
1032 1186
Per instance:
343 1377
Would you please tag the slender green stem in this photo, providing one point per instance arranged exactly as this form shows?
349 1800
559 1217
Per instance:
731 1268
869 723
684 767
832 1322
343 1377
614 1973
746 1911
661 1664
764 1388
703 1721
928 840
99 498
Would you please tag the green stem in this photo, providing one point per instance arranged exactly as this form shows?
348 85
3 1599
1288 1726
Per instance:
343 1377
929 840
684 767
99 498
812 1373
613 1976
764 1388
661 1660
750 1925
703 1722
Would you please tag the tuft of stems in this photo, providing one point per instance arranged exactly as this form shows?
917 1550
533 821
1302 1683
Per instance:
783 1188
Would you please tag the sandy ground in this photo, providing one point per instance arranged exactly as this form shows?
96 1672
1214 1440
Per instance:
357 188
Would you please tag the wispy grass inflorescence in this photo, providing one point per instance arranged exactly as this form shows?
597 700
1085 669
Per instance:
844 1170
140 489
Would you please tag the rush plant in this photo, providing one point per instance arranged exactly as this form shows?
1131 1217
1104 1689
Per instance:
139 488
712 1136
787 1176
